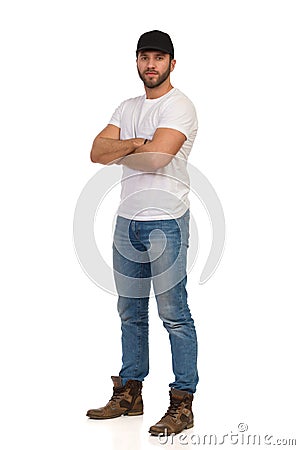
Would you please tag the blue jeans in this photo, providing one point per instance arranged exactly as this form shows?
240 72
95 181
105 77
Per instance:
145 251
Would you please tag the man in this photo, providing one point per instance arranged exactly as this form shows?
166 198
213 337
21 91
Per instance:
151 137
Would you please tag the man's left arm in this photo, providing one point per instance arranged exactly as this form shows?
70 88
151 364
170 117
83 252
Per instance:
156 153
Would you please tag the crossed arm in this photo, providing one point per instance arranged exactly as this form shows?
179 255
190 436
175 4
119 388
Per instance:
109 149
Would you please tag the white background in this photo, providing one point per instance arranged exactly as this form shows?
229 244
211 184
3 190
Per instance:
65 66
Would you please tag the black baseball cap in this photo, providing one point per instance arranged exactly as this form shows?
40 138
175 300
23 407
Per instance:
155 40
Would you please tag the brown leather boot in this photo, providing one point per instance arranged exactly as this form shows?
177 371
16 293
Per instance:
179 415
126 400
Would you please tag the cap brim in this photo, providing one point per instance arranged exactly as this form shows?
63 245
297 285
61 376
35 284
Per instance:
153 48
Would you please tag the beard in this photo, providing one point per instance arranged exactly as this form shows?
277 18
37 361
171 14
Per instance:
159 80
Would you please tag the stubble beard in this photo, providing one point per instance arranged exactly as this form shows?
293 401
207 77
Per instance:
161 78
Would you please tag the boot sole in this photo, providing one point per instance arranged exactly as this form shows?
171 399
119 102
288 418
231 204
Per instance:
133 413
129 413
157 433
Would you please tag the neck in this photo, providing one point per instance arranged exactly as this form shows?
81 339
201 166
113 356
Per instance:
159 91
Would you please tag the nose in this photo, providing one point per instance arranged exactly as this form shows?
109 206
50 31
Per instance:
151 63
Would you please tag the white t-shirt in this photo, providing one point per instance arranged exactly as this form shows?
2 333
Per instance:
162 194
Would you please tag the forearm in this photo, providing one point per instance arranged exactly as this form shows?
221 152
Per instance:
146 158
106 150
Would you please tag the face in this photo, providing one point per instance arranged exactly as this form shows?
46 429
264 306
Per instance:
154 67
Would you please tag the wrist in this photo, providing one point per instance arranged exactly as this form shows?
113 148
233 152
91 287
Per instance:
138 142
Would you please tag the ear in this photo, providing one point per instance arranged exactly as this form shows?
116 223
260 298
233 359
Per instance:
173 63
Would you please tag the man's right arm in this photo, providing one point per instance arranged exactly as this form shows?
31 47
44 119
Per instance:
107 146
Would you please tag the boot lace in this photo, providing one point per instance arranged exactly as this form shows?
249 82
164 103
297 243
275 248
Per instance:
173 408
117 394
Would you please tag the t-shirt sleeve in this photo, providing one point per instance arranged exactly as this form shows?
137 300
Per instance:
179 114
116 117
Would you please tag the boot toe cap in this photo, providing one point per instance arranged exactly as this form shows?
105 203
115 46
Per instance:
95 413
159 429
